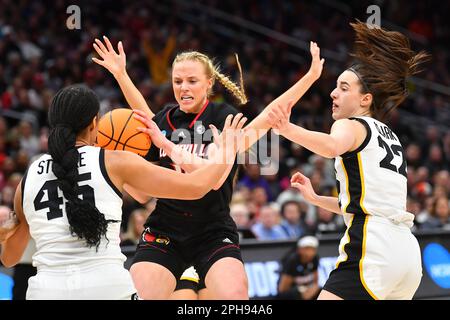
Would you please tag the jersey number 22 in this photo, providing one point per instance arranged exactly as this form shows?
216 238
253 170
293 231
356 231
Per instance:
390 151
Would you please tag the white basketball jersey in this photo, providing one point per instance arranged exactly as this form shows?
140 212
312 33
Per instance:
372 179
44 208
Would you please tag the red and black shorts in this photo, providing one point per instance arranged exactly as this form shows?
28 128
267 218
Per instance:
200 251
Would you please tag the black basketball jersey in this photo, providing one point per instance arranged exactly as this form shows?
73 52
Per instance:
186 218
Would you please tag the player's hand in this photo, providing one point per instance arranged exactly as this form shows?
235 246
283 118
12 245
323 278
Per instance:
8 224
303 184
113 61
278 117
151 128
226 143
316 64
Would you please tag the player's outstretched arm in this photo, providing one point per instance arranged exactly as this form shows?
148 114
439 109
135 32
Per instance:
344 136
116 64
131 169
303 185
13 247
260 125
189 162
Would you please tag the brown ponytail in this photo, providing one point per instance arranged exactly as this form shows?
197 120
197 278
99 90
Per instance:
383 62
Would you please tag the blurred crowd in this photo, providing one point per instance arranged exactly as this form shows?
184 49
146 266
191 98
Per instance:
39 55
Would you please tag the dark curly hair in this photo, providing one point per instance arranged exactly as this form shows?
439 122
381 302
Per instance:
72 110
383 60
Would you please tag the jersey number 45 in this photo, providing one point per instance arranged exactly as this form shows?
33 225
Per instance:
54 201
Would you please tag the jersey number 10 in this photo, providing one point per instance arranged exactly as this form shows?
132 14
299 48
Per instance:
54 201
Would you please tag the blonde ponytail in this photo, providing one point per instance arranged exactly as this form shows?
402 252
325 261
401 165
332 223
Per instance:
238 92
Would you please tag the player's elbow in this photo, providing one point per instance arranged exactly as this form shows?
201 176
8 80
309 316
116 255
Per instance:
331 150
8 261
330 154
7 264
219 184
198 190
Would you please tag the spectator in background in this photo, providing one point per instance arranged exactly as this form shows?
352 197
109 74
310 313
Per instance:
446 143
3 156
158 50
436 161
14 180
324 168
268 225
432 137
7 196
422 189
442 180
293 220
253 179
8 168
404 132
413 206
241 216
411 178
2 149
439 217
290 193
274 184
22 160
241 195
299 279
258 199
413 155
3 126
328 222
28 141
427 207
135 227
43 140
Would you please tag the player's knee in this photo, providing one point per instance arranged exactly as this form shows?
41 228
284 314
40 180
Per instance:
239 291
235 294
149 292
149 295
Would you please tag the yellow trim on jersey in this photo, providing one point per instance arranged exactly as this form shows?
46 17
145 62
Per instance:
346 185
361 175
190 279
348 241
362 258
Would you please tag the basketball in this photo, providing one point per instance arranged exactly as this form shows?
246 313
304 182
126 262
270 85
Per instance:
117 130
